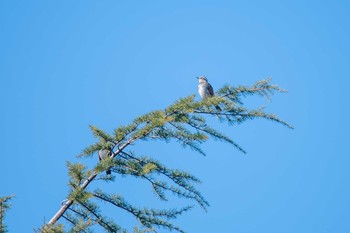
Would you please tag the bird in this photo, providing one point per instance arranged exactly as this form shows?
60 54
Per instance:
103 154
205 90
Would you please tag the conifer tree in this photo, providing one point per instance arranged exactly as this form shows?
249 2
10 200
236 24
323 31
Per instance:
4 206
184 122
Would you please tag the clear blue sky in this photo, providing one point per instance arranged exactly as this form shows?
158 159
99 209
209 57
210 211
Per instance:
67 64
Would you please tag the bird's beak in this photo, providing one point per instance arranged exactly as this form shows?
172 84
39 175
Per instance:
197 77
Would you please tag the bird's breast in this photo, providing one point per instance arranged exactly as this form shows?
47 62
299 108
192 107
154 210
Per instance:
202 90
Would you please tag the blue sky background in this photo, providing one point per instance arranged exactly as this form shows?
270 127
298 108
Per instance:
67 64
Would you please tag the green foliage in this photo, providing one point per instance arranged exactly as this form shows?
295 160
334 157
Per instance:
79 224
147 217
101 134
76 173
104 165
122 132
261 88
90 150
4 206
162 179
49 228
185 122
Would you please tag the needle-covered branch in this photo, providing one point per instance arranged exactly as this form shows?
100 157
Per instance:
149 218
4 206
161 178
261 88
184 122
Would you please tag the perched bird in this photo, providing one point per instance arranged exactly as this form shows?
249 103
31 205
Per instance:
205 90
103 154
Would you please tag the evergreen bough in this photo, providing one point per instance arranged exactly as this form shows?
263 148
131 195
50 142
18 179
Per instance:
184 122
4 206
